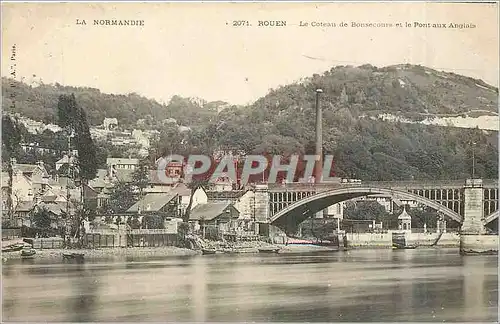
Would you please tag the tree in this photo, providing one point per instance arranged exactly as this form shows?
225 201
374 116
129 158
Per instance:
122 197
426 215
72 117
133 222
41 218
11 138
365 210
140 176
153 221
193 185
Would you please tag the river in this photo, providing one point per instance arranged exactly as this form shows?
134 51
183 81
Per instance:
358 285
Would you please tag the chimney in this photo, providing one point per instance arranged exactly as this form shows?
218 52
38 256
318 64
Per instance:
40 163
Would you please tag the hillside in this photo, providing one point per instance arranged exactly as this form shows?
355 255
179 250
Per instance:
354 99
39 103
364 145
411 91
403 90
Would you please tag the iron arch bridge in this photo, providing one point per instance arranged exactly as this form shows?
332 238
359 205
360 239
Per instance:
292 215
491 217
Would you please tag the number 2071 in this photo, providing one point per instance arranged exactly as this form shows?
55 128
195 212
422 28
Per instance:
239 23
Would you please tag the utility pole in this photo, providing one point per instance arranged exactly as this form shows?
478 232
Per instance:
68 194
254 220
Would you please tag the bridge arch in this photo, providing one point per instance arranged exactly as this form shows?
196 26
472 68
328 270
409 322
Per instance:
491 217
294 214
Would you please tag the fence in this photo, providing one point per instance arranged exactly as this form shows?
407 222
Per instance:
10 233
131 238
99 240
48 243
152 240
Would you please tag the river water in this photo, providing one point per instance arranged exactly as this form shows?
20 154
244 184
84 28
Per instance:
359 285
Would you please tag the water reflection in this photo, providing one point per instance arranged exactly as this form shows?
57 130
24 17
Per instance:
84 297
384 285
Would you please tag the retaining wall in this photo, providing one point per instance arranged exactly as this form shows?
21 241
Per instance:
426 239
384 240
479 244
380 240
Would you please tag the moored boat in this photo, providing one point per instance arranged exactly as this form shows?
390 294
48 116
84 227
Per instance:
72 256
269 250
403 247
28 253
13 247
208 251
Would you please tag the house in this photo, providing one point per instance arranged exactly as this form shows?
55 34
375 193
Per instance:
219 216
30 170
246 205
334 211
110 123
173 169
35 173
177 196
22 190
243 200
22 213
184 194
99 189
161 184
114 164
65 160
223 183
157 203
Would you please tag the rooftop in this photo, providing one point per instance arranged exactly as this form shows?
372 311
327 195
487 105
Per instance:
152 202
404 215
112 161
209 210
225 195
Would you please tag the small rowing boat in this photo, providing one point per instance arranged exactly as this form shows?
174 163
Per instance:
28 253
13 247
208 251
269 250
73 256
403 247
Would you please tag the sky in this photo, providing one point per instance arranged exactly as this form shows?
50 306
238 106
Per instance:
192 49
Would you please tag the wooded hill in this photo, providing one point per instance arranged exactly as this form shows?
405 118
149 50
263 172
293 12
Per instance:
283 121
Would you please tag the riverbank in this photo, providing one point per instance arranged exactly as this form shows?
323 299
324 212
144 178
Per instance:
170 251
254 246
107 254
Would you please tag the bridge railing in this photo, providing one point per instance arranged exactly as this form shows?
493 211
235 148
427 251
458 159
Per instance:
410 184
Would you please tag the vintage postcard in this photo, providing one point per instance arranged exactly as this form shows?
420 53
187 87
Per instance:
250 162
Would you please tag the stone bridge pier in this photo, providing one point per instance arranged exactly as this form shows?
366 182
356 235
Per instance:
473 222
473 238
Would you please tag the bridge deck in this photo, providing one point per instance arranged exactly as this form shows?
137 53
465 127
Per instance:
406 185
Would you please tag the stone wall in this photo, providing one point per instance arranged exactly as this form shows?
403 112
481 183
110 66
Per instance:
369 240
478 243
384 240
426 239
